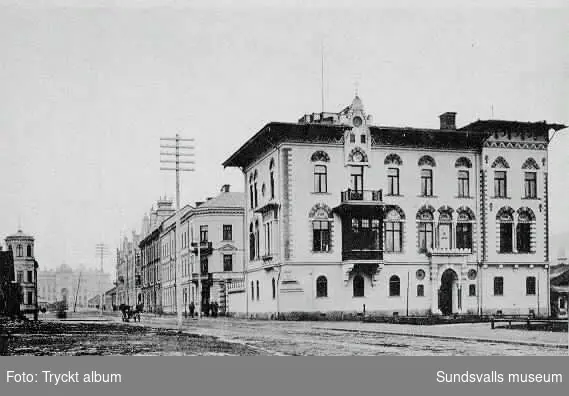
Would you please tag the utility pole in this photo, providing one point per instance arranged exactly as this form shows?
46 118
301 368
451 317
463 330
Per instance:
101 250
177 157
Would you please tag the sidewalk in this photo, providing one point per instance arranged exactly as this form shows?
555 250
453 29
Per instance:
463 331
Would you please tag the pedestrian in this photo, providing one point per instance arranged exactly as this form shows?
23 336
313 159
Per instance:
215 308
192 309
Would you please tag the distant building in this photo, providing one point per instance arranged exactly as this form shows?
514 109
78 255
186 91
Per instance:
151 286
343 214
110 300
25 268
559 290
9 290
129 271
74 286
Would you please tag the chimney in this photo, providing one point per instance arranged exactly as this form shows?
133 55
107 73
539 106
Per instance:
448 120
198 203
225 188
209 198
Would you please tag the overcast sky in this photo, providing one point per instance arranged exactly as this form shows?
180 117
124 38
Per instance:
86 92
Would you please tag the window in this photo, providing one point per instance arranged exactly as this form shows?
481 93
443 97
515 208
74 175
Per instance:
530 285
19 251
394 286
523 237
251 195
357 178
29 251
274 284
506 237
30 298
500 184
257 240
420 290
272 181
427 182
463 184
20 276
255 193
227 262
268 237
258 294
30 276
352 138
425 236
464 235
363 139
320 179
471 290
393 236
393 181
321 236
251 243
530 185
321 287
227 232
358 286
204 266
498 286
252 291
203 233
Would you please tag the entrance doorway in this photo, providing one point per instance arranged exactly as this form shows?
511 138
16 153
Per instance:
448 293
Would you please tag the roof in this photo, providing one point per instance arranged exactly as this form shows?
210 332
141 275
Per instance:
276 132
20 234
491 125
225 200
560 289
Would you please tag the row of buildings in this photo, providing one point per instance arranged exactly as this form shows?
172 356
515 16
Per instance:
211 255
341 216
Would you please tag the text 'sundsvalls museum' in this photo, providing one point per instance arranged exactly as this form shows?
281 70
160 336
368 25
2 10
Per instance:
341 214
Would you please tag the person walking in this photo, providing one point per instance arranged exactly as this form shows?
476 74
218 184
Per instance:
192 308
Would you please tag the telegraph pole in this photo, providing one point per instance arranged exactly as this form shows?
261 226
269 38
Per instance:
101 249
177 157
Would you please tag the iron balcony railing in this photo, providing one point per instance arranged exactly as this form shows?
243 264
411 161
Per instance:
362 195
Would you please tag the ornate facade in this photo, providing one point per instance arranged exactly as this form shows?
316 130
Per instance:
344 216
25 268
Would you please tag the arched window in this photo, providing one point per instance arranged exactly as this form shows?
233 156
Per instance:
255 189
506 227
394 230
530 163
274 285
251 192
500 162
427 160
320 179
464 228
523 230
321 286
463 162
258 294
425 228
393 159
321 220
29 251
257 240
272 177
252 243
394 286
320 156
19 251
358 286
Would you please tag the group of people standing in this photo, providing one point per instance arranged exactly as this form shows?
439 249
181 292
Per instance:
209 309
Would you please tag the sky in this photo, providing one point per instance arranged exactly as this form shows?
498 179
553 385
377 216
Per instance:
88 88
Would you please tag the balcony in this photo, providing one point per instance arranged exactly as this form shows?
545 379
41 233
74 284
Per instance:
362 254
360 201
361 196
206 248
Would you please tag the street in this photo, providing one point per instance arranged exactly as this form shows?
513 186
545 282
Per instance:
222 336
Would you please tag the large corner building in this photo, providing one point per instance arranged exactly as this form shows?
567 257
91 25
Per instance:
343 216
